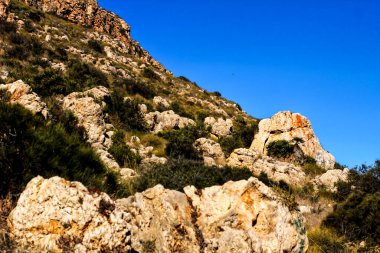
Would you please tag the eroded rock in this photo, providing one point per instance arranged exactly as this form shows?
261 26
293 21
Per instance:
21 93
211 151
329 179
287 126
243 216
167 120
275 170
4 9
219 127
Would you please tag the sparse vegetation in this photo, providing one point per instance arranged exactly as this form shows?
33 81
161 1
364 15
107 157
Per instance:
123 155
280 149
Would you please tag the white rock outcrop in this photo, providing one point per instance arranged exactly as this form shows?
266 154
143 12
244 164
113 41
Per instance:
275 170
245 216
211 151
160 101
21 93
286 126
167 120
3 8
329 179
219 127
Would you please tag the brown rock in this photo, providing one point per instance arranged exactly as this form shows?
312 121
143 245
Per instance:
4 9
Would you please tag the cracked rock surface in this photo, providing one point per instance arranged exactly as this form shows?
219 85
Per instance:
245 216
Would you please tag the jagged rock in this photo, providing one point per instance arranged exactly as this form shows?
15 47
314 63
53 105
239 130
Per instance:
286 126
246 216
211 151
243 216
4 9
3 74
275 170
160 101
220 127
88 13
21 93
160 121
330 178
54 213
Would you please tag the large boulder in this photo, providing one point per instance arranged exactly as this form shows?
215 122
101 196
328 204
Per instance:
219 127
329 179
4 8
211 151
244 216
21 93
287 126
167 120
274 169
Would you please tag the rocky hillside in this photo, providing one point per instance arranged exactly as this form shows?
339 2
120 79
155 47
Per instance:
111 152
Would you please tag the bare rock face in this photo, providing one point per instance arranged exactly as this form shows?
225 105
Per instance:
211 151
330 178
4 8
245 216
160 101
53 214
160 121
219 127
275 170
21 93
286 126
88 13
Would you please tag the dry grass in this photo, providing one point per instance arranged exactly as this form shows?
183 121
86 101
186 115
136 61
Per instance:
6 205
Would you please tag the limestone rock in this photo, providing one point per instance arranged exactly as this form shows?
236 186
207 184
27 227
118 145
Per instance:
243 216
286 126
54 213
21 93
211 151
330 178
275 170
219 127
4 8
246 216
160 121
160 101
88 13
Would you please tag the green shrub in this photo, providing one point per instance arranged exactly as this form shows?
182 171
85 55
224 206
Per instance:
123 155
149 73
95 45
324 240
23 46
125 114
48 83
177 174
133 87
183 78
280 149
180 142
241 137
216 93
7 27
311 168
178 109
31 146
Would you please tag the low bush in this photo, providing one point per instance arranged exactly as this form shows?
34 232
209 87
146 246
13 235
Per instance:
133 87
125 113
7 27
149 73
280 149
180 142
177 174
311 168
95 45
183 78
31 146
123 155
324 240
180 110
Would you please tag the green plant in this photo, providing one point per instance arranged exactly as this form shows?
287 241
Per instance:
180 142
311 168
95 45
134 87
123 155
280 149
179 109
324 240
149 73
177 174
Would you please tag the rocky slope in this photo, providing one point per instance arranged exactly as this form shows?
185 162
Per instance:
245 216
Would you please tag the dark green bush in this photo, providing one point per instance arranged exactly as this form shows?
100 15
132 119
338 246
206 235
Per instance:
183 78
123 155
95 45
311 168
177 174
30 146
180 142
324 240
178 109
7 27
48 82
216 93
241 137
149 73
23 46
133 87
280 149
125 114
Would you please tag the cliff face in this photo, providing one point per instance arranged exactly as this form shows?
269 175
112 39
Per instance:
88 13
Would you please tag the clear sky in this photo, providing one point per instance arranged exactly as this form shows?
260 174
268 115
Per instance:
320 58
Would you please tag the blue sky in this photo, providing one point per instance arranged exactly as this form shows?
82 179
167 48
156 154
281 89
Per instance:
319 58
